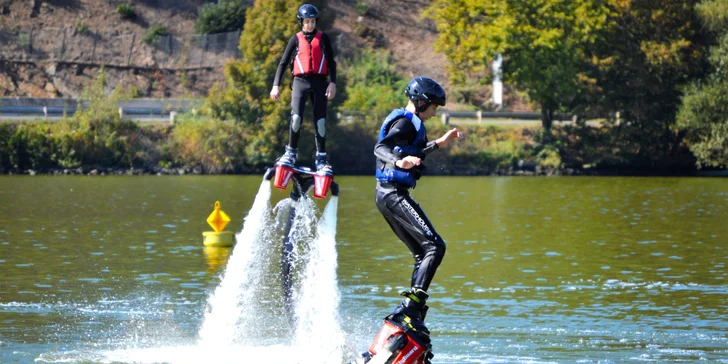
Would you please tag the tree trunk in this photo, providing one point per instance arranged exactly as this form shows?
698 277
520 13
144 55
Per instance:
547 117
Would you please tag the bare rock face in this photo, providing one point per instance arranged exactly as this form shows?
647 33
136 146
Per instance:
28 89
7 86
51 69
50 89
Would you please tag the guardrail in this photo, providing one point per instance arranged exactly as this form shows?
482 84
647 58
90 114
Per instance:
45 108
445 115
163 108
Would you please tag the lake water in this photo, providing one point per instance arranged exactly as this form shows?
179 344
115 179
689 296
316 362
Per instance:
537 270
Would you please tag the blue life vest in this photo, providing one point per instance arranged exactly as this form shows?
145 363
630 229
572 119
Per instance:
403 176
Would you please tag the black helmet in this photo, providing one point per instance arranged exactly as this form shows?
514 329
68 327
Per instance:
427 90
307 11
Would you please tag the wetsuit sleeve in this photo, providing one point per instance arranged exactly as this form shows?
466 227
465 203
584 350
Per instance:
285 60
329 53
430 147
402 131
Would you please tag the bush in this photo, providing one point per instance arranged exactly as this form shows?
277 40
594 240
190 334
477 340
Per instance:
225 16
362 9
218 146
97 135
152 35
373 85
126 11
82 28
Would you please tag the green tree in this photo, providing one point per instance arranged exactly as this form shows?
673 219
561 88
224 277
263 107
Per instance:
703 115
651 51
544 44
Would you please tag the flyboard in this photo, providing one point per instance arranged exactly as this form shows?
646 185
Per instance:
302 180
398 343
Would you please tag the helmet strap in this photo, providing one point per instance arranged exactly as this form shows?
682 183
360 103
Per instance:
421 108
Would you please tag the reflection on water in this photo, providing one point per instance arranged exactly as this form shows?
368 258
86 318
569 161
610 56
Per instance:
216 257
538 270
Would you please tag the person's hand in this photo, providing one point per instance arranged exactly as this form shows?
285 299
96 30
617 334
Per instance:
451 134
275 92
408 162
331 91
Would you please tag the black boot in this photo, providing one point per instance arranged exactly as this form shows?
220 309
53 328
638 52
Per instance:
412 310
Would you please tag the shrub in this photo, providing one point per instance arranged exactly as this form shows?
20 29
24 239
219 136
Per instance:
24 40
373 85
82 28
126 11
225 16
362 9
217 145
152 35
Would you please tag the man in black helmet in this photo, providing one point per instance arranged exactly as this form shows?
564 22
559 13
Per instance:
400 150
313 61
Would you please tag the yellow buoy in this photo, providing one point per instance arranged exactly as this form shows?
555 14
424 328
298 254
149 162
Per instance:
218 238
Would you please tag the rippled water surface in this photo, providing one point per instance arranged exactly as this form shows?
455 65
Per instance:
537 270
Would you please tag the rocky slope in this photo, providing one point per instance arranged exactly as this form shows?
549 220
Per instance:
394 25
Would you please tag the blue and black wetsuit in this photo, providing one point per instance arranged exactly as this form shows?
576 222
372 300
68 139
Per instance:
403 134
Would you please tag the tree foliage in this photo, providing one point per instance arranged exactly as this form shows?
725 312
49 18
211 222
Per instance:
373 85
544 43
651 52
224 16
703 115
590 57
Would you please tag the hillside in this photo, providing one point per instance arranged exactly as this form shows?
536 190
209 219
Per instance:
393 25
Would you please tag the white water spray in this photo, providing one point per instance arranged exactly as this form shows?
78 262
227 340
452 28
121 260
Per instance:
239 311
229 316
318 327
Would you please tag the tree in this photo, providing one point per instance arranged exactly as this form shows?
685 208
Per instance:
650 52
703 115
544 43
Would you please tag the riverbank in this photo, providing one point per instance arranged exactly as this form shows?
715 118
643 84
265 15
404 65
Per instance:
525 171
101 144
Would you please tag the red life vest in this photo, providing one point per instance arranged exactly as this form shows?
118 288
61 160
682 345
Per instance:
310 58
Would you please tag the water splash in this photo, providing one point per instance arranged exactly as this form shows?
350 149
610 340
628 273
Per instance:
232 306
241 316
318 309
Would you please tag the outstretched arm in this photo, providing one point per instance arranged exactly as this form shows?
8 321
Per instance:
443 140
448 136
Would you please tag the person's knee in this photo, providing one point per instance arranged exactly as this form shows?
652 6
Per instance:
321 127
436 248
295 122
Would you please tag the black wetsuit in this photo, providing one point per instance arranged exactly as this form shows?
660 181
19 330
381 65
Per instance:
313 86
403 214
